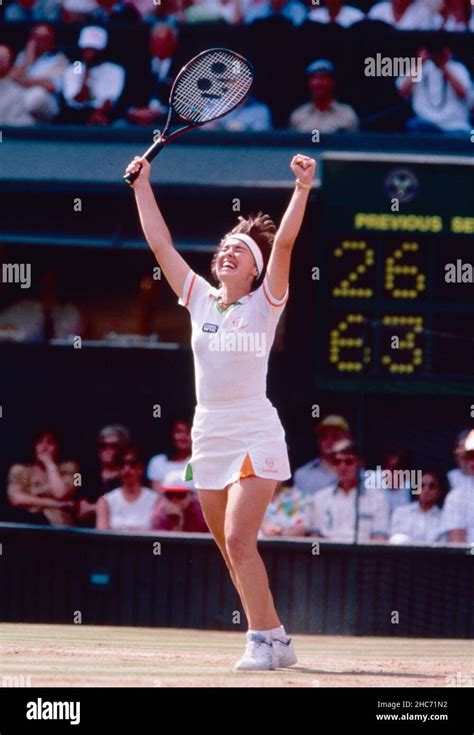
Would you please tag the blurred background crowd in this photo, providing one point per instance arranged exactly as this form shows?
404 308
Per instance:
334 496
98 63
70 62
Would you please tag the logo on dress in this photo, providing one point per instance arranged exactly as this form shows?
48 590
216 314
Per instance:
207 327
269 465
238 323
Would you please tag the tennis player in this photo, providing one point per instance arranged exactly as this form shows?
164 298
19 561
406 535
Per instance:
238 443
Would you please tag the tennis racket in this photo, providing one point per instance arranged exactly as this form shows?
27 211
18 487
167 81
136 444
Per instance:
210 86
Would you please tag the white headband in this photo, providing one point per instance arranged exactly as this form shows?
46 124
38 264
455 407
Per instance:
252 246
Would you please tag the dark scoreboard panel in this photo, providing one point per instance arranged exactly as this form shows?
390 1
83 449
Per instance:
397 270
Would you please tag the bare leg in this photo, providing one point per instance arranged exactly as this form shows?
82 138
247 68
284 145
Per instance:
213 504
246 505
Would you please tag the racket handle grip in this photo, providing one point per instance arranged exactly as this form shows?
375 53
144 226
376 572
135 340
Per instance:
149 155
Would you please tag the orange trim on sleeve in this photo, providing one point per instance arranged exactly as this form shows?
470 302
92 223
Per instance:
273 303
193 279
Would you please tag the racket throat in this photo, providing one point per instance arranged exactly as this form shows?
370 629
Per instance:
156 148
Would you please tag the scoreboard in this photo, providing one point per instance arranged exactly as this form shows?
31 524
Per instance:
396 254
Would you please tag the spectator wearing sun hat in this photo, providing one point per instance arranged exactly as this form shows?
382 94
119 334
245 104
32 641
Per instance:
177 508
324 113
320 472
458 509
92 87
463 474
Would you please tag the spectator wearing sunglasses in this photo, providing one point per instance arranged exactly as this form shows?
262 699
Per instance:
334 512
319 473
129 507
177 508
105 476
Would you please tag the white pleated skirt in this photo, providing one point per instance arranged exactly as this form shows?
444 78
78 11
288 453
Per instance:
231 440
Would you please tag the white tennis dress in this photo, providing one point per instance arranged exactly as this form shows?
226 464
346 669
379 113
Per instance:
236 430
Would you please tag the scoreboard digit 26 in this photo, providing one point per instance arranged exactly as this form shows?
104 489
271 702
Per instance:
397 262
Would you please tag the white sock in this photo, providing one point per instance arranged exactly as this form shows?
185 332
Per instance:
279 633
272 633
266 633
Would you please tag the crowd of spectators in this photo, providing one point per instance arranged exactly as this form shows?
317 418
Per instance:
334 496
113 494
451 15
337 497
83 85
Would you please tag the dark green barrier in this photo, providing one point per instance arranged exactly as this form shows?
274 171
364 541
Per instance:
172 580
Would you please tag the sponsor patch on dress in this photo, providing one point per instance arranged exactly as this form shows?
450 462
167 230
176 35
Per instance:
207 327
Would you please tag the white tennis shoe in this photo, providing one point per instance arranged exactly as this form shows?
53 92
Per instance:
259 654
284 652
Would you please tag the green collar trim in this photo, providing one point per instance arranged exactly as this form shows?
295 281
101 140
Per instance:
231 306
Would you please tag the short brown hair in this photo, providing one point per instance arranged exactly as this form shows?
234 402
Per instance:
262 229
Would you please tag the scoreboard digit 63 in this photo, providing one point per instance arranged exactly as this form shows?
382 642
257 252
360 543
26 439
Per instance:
397 270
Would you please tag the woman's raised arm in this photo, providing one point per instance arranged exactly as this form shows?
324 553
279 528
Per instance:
155 229
278 269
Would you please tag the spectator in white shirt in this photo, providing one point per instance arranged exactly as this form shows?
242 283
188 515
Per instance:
406 15
335 512
292 10
13 108
39 69
458 510
334 11
160 465
130 506
419 522
441 98
92 87
319 473
461 476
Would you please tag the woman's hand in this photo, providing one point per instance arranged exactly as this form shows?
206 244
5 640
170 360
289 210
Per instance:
143 168
303 167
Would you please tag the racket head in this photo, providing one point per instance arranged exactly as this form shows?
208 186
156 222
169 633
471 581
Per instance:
211 85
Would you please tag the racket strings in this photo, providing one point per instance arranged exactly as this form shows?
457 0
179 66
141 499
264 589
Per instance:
212 85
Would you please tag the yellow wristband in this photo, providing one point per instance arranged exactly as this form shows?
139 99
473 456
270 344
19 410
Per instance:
302 185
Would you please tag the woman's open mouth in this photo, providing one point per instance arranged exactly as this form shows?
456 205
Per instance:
227 265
